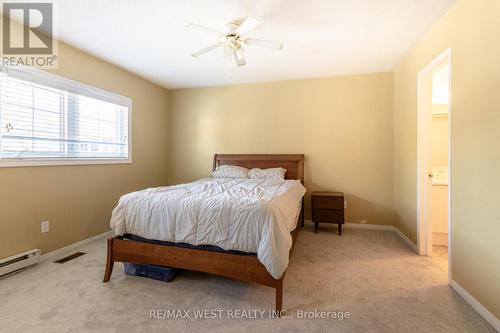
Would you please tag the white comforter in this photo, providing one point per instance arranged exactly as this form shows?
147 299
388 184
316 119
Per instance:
250 215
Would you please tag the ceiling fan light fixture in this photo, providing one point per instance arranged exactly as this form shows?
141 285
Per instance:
233 43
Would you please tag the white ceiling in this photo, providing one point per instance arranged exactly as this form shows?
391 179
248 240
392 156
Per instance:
321 37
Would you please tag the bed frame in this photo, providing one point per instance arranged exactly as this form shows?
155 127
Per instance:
245 267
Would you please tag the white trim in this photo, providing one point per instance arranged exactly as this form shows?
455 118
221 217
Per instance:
59 162
487 315
406 240
424 235
62 83
39 76
450 211
366 226
51 255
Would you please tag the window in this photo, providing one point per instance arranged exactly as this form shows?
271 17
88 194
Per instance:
46 119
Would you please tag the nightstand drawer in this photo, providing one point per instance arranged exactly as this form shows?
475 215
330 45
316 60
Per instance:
328 215
327 202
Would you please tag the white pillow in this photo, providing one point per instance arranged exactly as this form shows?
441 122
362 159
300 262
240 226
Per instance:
271 173
230 171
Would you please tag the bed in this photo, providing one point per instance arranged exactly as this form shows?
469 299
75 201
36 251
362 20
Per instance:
231 251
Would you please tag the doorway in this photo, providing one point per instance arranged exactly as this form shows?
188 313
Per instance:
434 160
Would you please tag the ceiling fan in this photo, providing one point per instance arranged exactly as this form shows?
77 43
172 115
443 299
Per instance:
233 37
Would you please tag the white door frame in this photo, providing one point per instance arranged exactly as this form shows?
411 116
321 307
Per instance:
424 232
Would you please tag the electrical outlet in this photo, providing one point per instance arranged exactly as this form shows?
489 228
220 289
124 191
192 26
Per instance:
345 204
45 226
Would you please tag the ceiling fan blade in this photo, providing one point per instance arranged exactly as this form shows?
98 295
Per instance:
199 26
249 24
239 56
268 44
206 49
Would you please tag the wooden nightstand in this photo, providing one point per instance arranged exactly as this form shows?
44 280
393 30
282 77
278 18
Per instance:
327 207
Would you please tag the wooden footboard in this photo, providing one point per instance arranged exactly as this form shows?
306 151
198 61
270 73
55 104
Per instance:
242 267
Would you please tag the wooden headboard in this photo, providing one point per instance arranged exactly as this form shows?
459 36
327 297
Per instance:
293 163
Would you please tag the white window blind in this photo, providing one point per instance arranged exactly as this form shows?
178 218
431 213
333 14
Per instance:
44 117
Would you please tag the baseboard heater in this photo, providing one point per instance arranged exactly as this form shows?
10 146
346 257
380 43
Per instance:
19 261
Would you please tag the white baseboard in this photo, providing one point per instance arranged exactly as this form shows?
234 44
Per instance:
487 315
51 255
406 240
365 226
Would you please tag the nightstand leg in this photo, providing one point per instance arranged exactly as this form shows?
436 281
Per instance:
316 227
340 229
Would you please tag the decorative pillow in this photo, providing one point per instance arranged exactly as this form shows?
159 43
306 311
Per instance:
230 171
271 173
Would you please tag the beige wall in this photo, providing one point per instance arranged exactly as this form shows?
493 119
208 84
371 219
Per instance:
78 200
343 125
471 29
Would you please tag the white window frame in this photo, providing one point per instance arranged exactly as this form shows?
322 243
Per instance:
58 82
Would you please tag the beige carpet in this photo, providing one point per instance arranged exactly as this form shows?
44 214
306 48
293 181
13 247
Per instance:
440 256
371 274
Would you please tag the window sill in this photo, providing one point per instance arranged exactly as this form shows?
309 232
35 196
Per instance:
32 163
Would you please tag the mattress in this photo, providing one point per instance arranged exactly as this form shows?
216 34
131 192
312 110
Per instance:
247 215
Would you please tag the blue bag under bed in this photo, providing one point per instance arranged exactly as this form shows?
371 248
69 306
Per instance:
160 273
